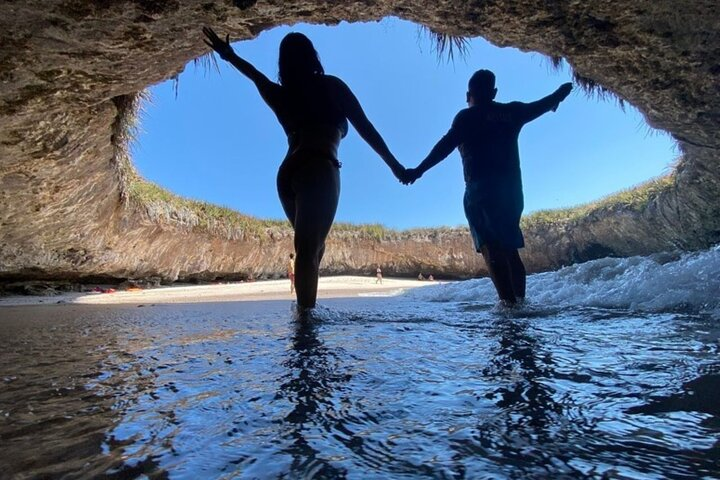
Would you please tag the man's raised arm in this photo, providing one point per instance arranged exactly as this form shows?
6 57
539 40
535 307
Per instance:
533 110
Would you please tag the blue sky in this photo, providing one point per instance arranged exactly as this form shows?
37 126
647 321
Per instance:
217 141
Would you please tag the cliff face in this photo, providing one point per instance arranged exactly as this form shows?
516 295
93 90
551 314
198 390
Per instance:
66 67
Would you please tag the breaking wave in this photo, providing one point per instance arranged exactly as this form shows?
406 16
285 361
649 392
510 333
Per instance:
686 282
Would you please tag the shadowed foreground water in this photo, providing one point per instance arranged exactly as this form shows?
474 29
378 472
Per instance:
372 388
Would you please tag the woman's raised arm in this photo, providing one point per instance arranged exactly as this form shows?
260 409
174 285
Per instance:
267 88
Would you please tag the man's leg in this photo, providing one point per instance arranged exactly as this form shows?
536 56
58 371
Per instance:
499 269
517 274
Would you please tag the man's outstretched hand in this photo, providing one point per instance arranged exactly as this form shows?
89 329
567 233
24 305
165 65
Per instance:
562 92
565 90
222 47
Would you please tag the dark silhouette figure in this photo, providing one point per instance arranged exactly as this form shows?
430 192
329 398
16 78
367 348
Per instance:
486 134
313 109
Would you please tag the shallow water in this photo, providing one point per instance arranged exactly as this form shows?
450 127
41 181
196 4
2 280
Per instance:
424 385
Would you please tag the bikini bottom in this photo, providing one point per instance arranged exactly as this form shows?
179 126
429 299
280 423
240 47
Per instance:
307 172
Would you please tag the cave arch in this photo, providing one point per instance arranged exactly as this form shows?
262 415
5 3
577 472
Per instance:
71 69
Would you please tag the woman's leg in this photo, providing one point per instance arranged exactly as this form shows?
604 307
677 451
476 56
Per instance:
286 192
316 193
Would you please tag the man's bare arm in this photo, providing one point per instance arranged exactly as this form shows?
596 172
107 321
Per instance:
439 152
533 110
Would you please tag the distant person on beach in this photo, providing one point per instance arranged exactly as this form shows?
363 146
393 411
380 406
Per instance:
486 133
313 110
420 277
378 276
291 272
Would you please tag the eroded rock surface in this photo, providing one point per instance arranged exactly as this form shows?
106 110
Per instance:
65 63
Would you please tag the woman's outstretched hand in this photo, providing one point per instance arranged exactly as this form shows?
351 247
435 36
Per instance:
399 172
222 47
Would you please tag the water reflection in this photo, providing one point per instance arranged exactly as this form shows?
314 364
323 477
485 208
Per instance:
133 380
529 421
60 390
313 375
245 391
515 364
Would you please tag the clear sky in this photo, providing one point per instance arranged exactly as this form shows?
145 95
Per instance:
218 142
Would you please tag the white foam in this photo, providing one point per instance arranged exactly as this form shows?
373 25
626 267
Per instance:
688 282
388 293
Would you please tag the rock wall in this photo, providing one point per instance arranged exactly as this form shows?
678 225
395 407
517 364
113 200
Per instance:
65 63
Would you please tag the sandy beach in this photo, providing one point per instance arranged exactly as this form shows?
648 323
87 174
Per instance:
329 287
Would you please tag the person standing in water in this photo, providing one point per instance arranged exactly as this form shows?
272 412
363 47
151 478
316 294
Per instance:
486 133
313 110
291 272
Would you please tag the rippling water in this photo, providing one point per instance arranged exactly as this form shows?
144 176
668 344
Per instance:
437 383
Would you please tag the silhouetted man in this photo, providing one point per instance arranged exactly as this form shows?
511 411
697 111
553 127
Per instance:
486 134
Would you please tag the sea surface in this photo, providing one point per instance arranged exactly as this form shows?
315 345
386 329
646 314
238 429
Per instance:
611 370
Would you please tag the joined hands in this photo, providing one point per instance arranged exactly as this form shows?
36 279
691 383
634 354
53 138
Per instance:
407 176
411 174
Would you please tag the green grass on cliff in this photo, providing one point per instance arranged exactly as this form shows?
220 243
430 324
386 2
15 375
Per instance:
635 199
162 205
375 231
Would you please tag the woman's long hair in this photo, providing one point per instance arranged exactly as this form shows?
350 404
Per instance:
298 60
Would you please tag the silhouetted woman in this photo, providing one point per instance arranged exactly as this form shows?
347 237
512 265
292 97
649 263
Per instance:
313 109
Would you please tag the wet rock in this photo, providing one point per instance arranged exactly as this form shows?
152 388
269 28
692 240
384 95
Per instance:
38 288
